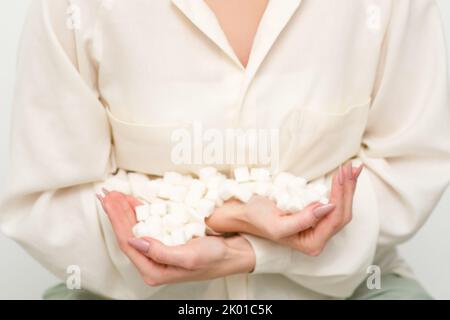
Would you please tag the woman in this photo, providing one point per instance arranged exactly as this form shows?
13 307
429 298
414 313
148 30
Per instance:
103 84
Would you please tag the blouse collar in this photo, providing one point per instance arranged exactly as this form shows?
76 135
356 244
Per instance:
274 20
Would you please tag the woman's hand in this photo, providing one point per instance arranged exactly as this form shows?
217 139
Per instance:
199 259
307 231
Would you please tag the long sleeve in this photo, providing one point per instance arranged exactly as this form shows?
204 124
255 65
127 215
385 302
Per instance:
60 151
406 151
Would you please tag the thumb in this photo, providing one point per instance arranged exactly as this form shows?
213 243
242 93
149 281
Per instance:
305 219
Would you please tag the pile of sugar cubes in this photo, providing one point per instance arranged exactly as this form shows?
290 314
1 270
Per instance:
175 206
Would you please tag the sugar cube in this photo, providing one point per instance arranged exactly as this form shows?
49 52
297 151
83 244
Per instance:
173 178
296 184
178 237
165 190
167 239
282 179
283 200
196 191
142 212
205 207
260 174
227 189
241 174
243 192
141 230
207 173
138 184
295 205
194 229
179 211
171 222
263 189
216 182
178 193
158 208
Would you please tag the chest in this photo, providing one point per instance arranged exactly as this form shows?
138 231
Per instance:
239 21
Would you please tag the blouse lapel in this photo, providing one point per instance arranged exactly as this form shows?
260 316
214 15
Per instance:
198 12
275 19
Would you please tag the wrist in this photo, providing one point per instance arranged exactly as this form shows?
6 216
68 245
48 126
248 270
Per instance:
231 217
241 255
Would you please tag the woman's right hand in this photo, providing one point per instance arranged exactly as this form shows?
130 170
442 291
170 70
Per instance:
307 231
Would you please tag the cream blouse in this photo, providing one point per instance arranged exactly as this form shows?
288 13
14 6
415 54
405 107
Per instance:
102 84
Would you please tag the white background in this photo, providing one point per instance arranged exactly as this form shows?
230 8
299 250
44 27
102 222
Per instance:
23 278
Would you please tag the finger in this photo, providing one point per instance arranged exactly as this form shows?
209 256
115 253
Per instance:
357 171
337 191
121 216
179 256
349 190
331 223
100 199
305 219
133 202
105 191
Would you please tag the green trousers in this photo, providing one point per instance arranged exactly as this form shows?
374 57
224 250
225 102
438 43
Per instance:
394 287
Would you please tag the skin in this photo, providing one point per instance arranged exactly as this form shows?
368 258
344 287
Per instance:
239 21
212 256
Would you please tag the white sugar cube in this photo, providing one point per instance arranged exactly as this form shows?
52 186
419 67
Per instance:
295 205
227 189
260 174
213 195
173 178
171 222
283 200
178 193
241 174
263 189
158 208
207 173
282 179
154 227
178 237
205 208
167 239
194 229
154 221
243 192
141 230
142 212
312 196
151 189
138 184
216 182
296 185
165 190
196 191
179 211
118 184
320 189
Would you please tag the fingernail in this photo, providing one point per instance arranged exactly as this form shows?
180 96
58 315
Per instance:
349 170
341 176
105 191
358 171
322 211
139 244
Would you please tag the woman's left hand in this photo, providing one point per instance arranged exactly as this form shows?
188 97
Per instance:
199 259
